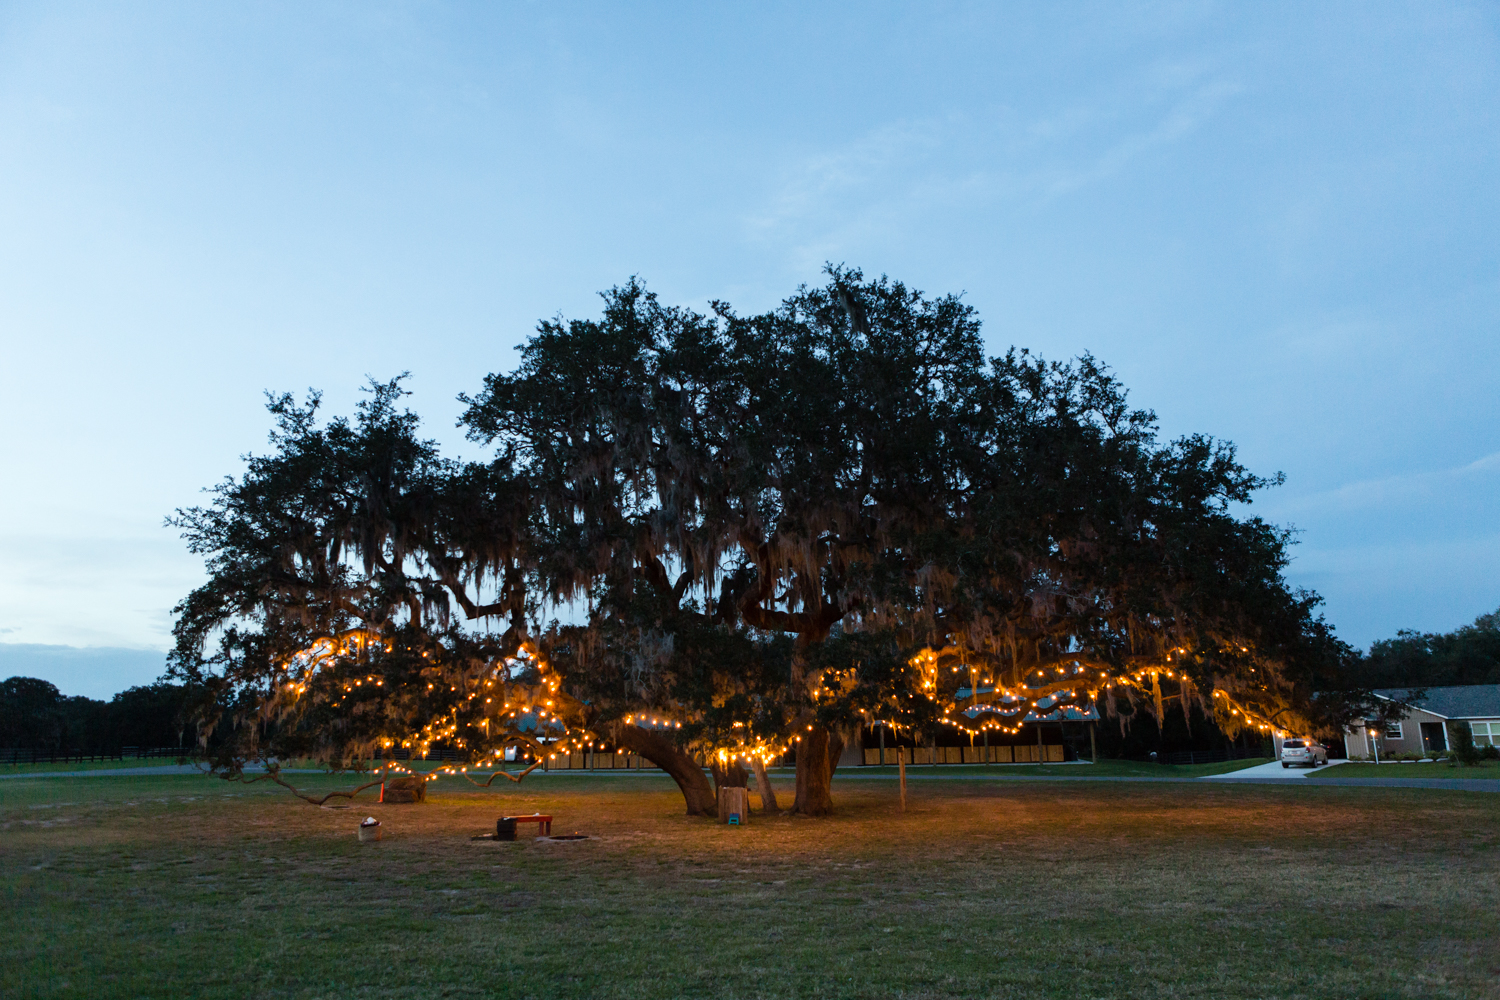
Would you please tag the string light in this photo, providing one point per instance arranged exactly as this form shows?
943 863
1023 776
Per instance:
534 724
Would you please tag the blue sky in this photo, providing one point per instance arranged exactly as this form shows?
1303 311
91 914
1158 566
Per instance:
1280 224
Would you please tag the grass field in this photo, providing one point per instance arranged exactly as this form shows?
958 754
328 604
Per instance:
1360 769
184 886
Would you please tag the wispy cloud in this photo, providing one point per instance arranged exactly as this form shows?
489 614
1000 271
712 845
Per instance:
50 577
824 187
1399 491
879 183
1181 120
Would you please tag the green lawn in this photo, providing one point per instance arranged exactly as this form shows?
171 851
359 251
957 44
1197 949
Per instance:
1362 769
185 886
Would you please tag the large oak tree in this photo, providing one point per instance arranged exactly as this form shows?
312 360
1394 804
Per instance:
757 533
941 537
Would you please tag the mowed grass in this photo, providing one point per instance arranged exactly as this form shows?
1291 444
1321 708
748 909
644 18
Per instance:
1411 769
190 887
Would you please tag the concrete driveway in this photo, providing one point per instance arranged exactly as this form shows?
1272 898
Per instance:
1272 771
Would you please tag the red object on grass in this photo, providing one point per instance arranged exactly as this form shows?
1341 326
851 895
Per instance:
543 823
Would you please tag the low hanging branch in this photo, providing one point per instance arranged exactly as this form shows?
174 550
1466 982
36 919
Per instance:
273 774
502 774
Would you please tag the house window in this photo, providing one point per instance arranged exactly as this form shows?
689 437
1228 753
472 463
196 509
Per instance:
1486 734
1393 730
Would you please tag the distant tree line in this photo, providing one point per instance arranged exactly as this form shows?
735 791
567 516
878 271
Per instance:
34 715
1469 654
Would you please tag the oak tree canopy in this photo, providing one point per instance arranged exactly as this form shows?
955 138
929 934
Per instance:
741 535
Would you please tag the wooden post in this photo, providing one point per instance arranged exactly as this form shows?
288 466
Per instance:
1093 748
986 747
882 743
1041 754
901 758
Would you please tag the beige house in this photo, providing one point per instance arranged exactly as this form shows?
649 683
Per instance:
1429 726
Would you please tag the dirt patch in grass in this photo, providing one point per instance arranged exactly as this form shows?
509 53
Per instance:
185 886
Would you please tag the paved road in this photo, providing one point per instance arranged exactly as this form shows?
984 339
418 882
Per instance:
1455 784
142 772
109 772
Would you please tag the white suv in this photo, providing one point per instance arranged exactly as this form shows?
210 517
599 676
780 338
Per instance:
1303 750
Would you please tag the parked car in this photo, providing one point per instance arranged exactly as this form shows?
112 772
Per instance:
1303 750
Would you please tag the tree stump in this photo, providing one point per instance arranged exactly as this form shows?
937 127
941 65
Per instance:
404 790
734 800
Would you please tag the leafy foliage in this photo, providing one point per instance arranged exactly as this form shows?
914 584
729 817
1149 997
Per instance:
34 715
942 538
1467 655
766 530
327 626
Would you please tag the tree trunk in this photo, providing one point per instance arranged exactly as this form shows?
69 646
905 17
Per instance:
733 776
835 751
699 795
763 783
734 801
814 774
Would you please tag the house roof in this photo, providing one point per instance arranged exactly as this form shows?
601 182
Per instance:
1470 701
